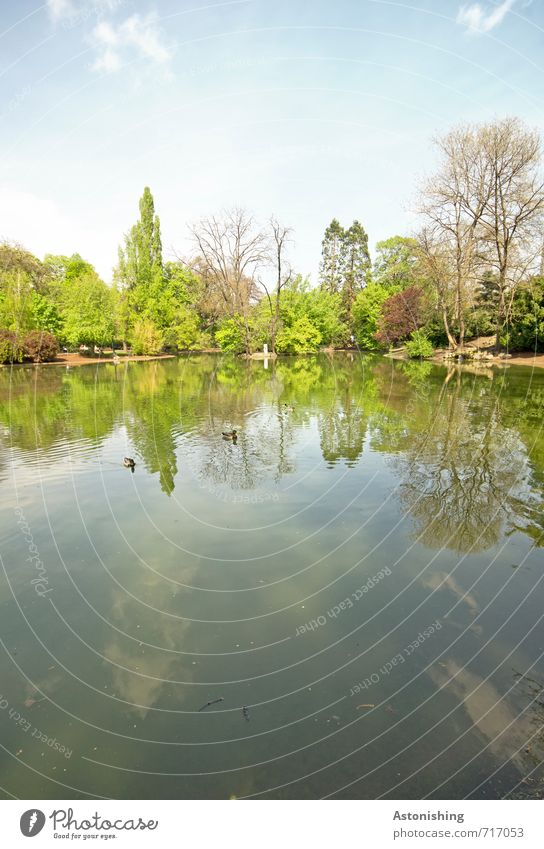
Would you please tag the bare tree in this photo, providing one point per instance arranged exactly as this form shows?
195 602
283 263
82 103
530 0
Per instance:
483 209
453 202
231 251
514 208
281 236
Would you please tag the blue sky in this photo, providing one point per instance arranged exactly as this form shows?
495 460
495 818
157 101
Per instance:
304 109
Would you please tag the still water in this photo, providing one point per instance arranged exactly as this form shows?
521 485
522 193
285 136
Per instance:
356 585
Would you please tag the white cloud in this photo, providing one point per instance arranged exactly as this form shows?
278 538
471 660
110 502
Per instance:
108 61
59 9
139 33
478 19
42 226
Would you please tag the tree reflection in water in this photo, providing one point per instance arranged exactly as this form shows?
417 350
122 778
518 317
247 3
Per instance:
465 445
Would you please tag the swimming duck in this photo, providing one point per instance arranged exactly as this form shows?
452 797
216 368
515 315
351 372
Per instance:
230 434
129 463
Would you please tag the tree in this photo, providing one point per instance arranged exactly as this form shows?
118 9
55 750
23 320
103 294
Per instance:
397 262
280 238
301 337
356 265
88 311
514 208
333 257
484 210
525 330
402 313
367 314
140 273
232 249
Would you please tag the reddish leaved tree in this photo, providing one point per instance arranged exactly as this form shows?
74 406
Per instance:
401 314
40 346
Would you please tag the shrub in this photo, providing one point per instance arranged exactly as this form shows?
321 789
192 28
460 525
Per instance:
301 338
40 346
367 314
147 338
11 349
419 345
230 335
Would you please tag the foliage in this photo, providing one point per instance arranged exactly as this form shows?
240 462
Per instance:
146 337
88 307
40 346
345 263
419 345
11 348
183 330
525 330
367 314
140 270
230 334
357 264
397 262
301 337
401 314
333 246
45 314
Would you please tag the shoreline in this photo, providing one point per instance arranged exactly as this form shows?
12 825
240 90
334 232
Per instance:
79 360
523 358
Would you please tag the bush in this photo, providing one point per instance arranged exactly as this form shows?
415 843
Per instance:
368 312
147 339
526 329
40 346
419 345
11 349
230 335
301 338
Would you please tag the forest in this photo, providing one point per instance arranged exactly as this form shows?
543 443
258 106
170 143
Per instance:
473 267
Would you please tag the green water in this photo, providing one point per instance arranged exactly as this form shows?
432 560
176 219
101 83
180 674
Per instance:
373 538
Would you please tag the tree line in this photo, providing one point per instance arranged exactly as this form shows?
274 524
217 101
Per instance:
474 267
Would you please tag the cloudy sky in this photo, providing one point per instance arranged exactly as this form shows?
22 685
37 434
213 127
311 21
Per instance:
307 109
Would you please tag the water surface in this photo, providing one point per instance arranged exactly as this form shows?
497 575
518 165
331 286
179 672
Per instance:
362 570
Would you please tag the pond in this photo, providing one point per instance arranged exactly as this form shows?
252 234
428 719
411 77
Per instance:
346 602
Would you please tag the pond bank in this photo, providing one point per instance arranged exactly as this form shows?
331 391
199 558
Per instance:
63 359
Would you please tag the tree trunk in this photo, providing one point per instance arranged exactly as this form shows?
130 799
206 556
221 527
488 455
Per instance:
451 340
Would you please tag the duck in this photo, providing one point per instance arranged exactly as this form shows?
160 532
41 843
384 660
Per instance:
115 359
129 463
230 434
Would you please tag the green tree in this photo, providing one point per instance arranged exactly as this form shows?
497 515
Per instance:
333 257
231 334
368 312
526 328
301 337
356 265
397 262
88 308
140 273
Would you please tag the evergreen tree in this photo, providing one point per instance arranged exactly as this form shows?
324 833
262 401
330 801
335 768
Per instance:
356 265
333 259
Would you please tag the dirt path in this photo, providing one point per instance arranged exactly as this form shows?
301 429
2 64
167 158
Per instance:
81 360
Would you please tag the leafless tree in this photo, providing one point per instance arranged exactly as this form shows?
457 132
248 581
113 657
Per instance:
281 236
483 209
231 250
514 208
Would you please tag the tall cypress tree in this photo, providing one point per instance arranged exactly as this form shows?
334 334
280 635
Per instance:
140 269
